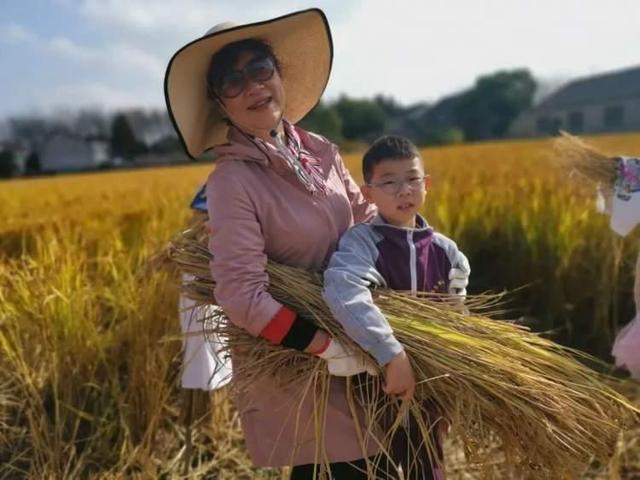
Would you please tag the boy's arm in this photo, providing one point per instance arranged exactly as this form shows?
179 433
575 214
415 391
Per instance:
347 282
458 277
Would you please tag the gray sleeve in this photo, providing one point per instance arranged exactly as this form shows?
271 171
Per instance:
455 256
347 282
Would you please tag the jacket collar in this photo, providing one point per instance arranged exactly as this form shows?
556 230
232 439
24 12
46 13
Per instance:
421 224
247 148
242 146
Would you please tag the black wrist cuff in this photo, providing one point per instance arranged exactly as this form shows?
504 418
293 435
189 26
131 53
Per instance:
299 335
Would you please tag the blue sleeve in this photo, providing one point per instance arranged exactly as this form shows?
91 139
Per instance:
347 282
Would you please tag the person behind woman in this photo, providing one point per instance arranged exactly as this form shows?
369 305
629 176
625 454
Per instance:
279 193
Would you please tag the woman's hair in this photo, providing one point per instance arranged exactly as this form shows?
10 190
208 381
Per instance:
225 59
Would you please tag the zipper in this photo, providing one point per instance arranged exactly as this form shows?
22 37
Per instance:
412 262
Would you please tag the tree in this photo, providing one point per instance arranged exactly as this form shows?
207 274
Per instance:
30 131
442 136
324 119
123 141
8 166
389 106
91 123
361 119
32 165
487 110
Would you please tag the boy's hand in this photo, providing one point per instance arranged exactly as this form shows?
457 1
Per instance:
400 379
458 281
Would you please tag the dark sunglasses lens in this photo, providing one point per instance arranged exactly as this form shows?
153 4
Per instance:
261 70
232 84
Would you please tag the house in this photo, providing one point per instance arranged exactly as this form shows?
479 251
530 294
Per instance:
608 102
63 152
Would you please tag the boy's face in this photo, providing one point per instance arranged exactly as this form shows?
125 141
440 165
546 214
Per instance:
398 188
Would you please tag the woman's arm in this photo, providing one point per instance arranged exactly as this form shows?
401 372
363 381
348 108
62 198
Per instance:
239 266
363 211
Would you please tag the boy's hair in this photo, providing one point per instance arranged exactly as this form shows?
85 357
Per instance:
389 147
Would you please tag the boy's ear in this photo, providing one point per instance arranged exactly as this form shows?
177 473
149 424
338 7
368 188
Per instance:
366 192
427 182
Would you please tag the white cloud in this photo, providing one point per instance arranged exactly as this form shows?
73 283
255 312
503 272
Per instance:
128 57
15 34
414 50
162 27
65 48
422 50
122 57
94 94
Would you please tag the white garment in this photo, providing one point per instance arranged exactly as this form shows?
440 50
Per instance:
625 348
625 213
203 365
624 204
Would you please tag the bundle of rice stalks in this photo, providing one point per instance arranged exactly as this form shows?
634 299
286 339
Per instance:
585 162
495 382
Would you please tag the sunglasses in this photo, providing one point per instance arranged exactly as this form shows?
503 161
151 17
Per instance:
234 82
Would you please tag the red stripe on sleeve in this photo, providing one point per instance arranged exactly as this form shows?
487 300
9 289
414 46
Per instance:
279 326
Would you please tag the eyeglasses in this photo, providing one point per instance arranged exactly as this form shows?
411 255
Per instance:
234 82
393 187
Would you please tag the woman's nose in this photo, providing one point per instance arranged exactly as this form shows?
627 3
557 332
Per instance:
253 87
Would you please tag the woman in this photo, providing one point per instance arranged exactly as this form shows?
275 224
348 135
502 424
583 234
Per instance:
277 192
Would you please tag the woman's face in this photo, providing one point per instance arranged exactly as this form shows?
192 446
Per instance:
260 105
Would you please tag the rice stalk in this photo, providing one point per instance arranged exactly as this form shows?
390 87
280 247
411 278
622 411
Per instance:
496 382
585 161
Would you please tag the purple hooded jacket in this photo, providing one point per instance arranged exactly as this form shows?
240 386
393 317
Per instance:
378 254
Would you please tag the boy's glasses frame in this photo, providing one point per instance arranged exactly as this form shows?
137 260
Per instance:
234 82
393 187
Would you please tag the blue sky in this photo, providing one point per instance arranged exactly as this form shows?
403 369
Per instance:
71 54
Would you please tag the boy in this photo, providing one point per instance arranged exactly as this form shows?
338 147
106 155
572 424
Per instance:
396 250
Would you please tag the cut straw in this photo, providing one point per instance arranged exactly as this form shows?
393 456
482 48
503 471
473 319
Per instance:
507 392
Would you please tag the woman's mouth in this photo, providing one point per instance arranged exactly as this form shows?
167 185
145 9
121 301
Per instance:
261 104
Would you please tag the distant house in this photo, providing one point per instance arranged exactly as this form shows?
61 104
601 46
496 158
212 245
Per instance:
608 102
63 152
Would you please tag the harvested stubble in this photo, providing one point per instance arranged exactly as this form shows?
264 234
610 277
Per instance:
496 382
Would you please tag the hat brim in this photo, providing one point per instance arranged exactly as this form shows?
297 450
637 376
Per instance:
302 43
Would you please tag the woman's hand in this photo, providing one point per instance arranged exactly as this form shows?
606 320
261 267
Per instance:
400 379
341 361
318 343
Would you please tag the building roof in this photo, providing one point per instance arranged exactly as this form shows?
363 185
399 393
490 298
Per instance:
607 87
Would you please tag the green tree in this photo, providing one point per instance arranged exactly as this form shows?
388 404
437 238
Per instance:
8 166
362 119
32 164
123 141
324 120
442 136
487 110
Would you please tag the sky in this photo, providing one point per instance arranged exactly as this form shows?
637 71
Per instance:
64 55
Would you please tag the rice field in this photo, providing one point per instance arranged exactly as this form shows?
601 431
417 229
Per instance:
89 333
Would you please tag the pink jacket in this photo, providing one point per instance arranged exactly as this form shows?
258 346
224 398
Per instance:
258 209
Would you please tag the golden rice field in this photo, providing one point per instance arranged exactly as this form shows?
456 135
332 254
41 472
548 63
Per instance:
89 333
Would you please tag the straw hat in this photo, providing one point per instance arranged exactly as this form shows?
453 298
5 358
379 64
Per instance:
302 43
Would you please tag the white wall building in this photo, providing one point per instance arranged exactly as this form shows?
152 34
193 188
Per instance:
64 152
